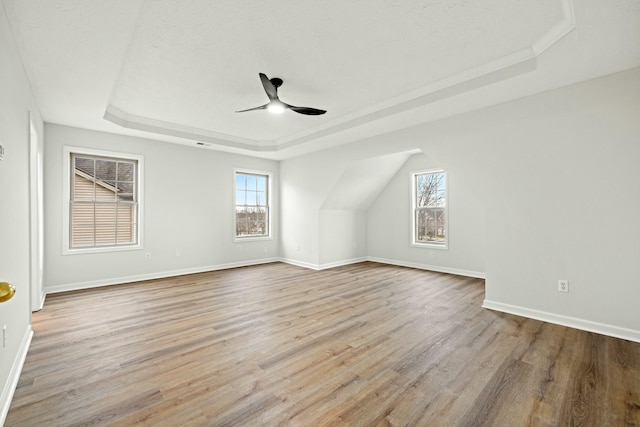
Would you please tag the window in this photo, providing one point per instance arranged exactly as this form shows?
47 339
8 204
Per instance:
252 216
430 209
103 201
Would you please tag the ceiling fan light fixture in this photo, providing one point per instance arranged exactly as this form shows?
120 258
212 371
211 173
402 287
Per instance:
276 107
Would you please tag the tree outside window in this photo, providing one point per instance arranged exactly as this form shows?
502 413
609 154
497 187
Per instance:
252 205
430 208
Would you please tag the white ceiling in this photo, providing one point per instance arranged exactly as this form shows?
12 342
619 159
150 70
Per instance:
176 70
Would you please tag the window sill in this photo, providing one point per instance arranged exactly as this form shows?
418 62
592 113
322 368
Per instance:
99 250
251 239
443 247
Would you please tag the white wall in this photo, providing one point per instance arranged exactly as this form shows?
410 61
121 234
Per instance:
562 203
325 196
17 103
188 213
302 186
342 237
389 218
318 199
541 189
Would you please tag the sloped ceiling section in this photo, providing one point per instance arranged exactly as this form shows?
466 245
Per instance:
363 180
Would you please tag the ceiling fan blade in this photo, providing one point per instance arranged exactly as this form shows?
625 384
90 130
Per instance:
275 105
272 91
262 107
306 110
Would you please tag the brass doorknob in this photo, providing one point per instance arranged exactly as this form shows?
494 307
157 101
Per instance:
6 291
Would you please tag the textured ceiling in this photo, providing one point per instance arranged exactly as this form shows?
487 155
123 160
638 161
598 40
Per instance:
176 70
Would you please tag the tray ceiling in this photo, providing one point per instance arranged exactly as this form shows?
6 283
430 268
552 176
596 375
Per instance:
178 70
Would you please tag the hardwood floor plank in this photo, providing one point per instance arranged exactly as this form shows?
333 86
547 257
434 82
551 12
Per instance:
277 345
505 385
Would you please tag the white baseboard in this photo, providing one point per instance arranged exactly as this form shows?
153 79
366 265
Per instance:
164 274
41 304
341 263
322 266
436 268
302 264
572 322
159 275
14 375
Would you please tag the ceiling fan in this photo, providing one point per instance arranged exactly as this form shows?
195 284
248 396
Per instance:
275 105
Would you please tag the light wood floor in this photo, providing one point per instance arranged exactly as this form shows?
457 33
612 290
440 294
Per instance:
361 345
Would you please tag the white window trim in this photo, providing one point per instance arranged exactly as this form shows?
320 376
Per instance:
268 236
66 195
413 242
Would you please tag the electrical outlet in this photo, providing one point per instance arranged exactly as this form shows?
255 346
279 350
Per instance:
147 256
563 286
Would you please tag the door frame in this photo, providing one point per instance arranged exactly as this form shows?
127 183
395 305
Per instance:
36 218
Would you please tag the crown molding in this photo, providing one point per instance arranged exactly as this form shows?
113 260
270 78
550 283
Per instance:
119 117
